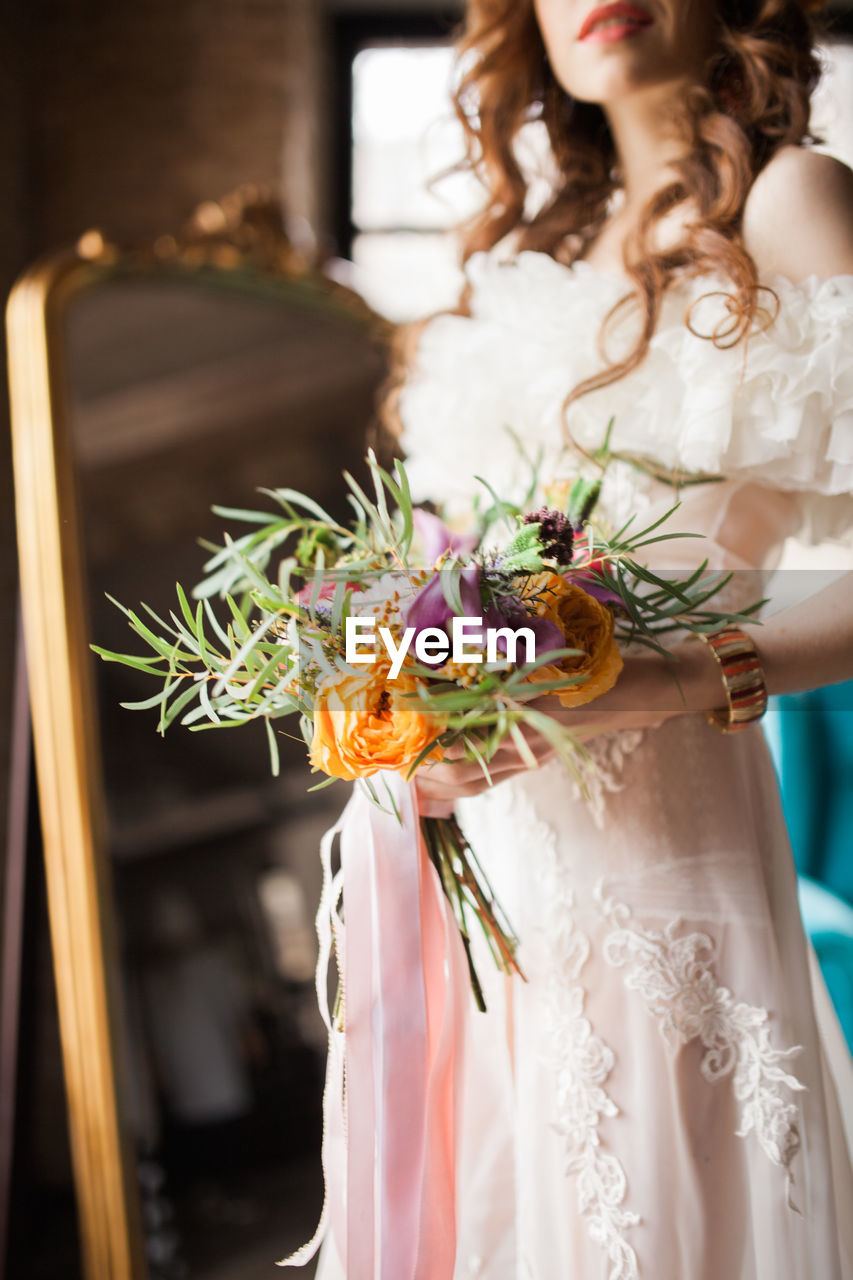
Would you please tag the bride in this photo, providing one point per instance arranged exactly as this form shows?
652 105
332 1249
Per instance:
661 1099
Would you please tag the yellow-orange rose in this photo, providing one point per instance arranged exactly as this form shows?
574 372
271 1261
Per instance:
364 723
586 625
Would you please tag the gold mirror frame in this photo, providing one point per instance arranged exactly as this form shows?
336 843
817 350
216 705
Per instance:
239 242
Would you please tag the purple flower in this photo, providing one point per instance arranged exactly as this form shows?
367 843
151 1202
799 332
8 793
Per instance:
437 539
603 594
430 608
512 613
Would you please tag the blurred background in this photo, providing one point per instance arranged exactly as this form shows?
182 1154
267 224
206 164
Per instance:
135 122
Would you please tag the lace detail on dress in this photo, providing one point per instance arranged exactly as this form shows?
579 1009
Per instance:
581 1062
675 976
601 773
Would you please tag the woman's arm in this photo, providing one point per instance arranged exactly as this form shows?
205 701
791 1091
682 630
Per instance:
805 646
810 643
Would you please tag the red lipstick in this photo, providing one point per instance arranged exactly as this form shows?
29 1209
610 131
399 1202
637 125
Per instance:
611 22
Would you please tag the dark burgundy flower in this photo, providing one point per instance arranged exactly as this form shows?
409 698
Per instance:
555 534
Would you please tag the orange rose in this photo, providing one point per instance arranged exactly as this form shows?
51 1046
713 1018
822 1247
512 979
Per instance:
364 723
587 625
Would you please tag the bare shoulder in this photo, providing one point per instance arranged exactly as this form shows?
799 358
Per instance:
798 216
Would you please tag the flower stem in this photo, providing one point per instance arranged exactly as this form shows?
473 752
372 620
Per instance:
449 884
466 887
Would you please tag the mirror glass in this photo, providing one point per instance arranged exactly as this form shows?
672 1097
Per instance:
183 394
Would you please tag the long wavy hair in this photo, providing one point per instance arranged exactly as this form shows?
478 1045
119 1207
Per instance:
755 99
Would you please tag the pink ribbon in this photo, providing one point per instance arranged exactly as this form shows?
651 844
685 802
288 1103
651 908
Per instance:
389 1143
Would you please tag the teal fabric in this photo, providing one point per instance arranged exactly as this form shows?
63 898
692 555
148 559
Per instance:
811 736
829 921
811 740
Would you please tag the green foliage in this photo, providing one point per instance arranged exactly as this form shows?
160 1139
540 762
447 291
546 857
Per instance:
524 553
263 628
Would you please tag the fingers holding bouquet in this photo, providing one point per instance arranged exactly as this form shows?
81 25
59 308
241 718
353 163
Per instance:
643 697
440 784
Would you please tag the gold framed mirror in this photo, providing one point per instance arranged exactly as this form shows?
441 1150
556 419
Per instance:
146 385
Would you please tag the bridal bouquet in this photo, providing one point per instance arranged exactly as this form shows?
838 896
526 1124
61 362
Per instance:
394 639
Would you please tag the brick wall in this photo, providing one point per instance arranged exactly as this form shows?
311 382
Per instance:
142 110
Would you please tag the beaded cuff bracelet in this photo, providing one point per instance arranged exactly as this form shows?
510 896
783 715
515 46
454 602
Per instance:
743 679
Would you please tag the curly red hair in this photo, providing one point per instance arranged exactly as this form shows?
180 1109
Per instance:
755 99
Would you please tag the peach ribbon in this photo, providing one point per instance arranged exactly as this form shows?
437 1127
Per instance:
393 1081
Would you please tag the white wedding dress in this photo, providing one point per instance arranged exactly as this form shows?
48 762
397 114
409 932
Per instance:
662 1098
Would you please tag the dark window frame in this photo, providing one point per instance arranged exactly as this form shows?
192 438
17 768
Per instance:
350 34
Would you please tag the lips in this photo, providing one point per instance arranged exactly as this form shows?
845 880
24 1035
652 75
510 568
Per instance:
614 22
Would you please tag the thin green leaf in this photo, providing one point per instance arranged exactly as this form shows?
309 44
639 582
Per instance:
130 660
404 501
321 786
175 708
392 801
242 625
147 703
163 647
523 746
509 513
214 622
206 704
283 496
186 610
275 763
239 513
422 755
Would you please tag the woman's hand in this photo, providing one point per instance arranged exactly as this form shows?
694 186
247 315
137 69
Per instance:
801 647
644 696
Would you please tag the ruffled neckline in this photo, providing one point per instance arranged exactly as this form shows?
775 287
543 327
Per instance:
583 270
777 409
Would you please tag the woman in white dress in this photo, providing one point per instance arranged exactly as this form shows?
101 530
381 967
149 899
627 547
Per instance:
660 1100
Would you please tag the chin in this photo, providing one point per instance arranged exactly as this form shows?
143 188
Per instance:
615 77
